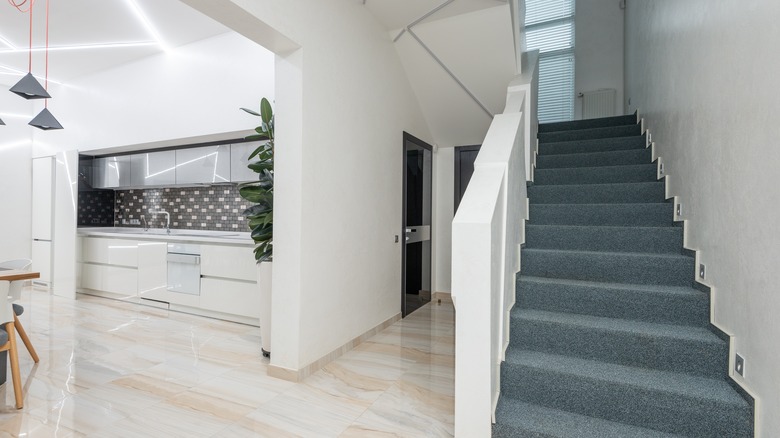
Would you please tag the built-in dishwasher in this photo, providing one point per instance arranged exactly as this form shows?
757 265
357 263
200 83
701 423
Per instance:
184 268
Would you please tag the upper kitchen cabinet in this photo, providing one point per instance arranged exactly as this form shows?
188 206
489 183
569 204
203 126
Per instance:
112 172
239 159
203 165
153 169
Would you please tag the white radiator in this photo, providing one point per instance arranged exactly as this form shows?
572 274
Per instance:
599 103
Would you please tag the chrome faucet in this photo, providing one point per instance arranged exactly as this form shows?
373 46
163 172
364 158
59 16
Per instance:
146 225
167 219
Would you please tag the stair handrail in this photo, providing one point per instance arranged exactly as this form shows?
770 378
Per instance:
487 233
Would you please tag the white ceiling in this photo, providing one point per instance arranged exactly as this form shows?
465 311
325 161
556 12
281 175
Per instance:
86 36
397 14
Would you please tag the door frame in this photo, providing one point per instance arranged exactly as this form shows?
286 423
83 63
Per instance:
458 151
412 139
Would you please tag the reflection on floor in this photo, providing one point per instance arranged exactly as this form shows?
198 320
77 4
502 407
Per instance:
117 369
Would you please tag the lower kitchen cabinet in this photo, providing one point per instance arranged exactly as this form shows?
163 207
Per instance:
229 296
113 279
138 271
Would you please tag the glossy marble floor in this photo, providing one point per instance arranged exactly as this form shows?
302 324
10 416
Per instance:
115 369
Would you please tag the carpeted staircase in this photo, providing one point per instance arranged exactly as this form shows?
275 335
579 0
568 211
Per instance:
609 337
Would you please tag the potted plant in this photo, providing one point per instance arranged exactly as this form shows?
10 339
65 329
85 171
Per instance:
260 214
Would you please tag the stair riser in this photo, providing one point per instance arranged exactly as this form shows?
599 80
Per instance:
705 359
595 145
608 267
658 410
588 134
629 119
649 215
653 192
595 159
614 239
597 175
614 303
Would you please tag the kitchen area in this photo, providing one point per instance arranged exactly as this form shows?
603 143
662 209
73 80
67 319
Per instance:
165 228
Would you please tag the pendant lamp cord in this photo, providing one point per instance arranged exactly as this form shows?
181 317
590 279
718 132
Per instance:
29 56
46 80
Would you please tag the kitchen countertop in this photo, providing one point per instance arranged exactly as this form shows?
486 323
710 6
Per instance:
177 235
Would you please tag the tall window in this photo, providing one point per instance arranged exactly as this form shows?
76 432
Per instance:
549 26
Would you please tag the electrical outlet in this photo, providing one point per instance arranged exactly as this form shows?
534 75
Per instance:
701 270
679 210
739 365
649 138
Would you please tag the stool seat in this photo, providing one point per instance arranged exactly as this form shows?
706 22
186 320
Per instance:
18 310
3 336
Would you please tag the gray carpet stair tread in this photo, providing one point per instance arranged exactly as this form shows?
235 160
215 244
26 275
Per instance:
597 174
594 159
517 418
640 288
590 133
621 193
653 380
639 214
617 254
668 239
628 119
689 333
593 145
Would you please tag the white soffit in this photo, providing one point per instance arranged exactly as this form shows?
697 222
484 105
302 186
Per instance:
477 47
86 36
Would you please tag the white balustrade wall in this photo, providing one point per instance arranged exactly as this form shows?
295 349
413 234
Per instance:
487 233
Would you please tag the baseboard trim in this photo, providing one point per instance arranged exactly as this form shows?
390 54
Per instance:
444 297
300 374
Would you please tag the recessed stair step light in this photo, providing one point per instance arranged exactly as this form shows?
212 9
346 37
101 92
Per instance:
45 121
29 88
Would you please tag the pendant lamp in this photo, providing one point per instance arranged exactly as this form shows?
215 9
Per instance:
45 121
29 87
2 122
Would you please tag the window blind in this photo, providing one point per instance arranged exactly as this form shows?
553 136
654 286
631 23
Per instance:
549 26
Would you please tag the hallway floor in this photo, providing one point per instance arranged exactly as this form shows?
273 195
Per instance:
110 368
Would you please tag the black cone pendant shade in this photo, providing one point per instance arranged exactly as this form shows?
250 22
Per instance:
30 88
2 122
45 121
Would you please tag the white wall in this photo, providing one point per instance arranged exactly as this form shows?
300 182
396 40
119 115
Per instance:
703 73
191 91
598 51
342 108
444 211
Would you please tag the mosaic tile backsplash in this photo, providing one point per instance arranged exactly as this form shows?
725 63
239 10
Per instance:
215 208
96 208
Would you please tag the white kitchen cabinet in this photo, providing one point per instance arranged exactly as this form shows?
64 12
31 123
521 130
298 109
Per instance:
119 252
112 172
153 169
152 267
113 279
203 165
234 262
229 296
239 159
41 261
42 207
